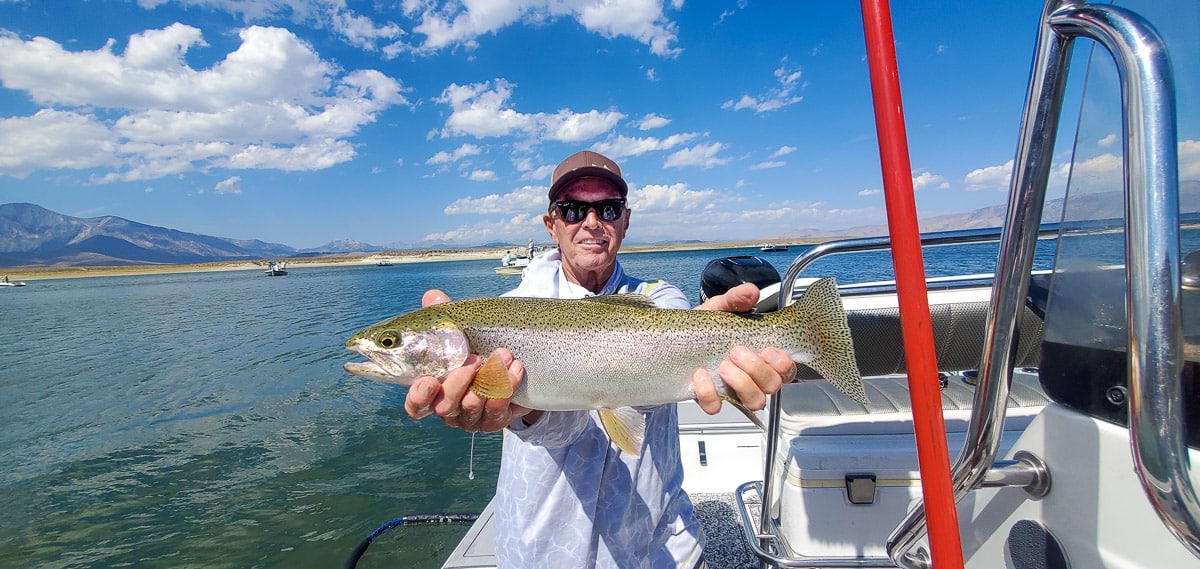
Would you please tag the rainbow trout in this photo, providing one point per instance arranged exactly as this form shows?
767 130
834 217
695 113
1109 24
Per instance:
607 353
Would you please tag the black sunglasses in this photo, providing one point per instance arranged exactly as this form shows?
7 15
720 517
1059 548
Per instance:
574 212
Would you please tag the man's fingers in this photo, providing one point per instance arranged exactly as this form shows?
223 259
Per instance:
742 385
740 298
781 362
454 388
706 392
421 396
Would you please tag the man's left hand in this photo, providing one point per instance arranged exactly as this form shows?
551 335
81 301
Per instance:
750 376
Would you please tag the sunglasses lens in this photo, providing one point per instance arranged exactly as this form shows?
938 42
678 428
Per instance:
608 211
574 212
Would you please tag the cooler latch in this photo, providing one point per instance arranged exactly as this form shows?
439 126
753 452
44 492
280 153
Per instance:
860 488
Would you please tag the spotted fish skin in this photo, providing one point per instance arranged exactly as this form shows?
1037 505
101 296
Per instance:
606 352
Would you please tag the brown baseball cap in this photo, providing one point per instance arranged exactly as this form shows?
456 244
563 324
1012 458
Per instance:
586 163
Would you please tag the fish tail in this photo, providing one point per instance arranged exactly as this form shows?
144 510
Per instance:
833 357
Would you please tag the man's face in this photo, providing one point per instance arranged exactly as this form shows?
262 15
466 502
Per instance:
591 244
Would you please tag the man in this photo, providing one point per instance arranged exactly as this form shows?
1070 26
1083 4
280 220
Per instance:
567 497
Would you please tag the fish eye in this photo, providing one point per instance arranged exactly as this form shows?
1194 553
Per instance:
388 340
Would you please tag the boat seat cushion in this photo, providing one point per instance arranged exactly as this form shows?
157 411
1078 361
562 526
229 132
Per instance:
958 337
817 407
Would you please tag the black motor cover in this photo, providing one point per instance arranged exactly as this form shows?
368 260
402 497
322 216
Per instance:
720 275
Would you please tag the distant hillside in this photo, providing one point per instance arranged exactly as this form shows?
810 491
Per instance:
1105 205
31 235
345 246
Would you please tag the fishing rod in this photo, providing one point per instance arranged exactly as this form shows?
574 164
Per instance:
416 520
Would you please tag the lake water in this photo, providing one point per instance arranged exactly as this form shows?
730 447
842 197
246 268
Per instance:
204 419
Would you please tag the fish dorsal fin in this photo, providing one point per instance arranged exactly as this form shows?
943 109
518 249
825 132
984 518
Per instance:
625 427
491 381
628 300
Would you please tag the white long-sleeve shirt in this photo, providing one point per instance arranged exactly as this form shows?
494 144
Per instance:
567 497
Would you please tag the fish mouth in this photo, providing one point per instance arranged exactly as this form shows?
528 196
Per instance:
380 366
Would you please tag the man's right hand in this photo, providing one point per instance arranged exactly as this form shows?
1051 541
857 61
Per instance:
452 400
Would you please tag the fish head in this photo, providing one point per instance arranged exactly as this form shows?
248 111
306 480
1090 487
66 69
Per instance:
400 350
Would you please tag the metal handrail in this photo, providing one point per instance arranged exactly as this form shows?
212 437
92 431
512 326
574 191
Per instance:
1152 255
767 532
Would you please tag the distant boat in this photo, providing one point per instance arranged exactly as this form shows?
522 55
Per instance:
772 247
515 264
276 269
9 283
383 264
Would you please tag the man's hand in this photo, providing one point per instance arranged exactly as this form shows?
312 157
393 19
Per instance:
452 399
750 376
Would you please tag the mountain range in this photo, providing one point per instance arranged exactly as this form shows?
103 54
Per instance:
31 235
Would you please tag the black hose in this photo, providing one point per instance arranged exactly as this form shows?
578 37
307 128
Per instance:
421 519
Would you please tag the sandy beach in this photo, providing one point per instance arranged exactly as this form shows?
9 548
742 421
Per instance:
394 257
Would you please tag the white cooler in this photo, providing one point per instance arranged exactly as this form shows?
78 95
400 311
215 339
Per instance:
852 472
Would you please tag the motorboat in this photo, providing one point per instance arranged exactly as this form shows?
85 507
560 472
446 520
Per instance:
8 283
1058 419
772 247
512 265
276 269
515 264
383 263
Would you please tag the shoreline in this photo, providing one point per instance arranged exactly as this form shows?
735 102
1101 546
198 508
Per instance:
34 273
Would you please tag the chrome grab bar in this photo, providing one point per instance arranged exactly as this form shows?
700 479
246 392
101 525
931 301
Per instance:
764 541
1152 256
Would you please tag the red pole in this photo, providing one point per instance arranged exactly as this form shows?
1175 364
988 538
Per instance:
919 354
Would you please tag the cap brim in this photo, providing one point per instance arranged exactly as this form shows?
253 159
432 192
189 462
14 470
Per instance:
586 171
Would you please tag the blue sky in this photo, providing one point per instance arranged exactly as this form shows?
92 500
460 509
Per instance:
408 122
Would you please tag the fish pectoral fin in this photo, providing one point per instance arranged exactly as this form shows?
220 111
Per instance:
625 427
745 411
491 381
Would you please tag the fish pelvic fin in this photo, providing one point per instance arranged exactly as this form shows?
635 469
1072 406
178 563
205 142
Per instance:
834 357
737 404
491 381
625 427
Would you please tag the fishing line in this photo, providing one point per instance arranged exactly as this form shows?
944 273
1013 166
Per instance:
417 520
471 459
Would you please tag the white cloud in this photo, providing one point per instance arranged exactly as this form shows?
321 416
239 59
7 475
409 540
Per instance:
1107 141
54 139
357 30
702 155
481 110
775 98
768 164
624 146
870 192
1189 160
452 24
230 185
272 103
482 176
459 153
989 178
673 197
652 121
514 228
783 151
524 199
925 180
